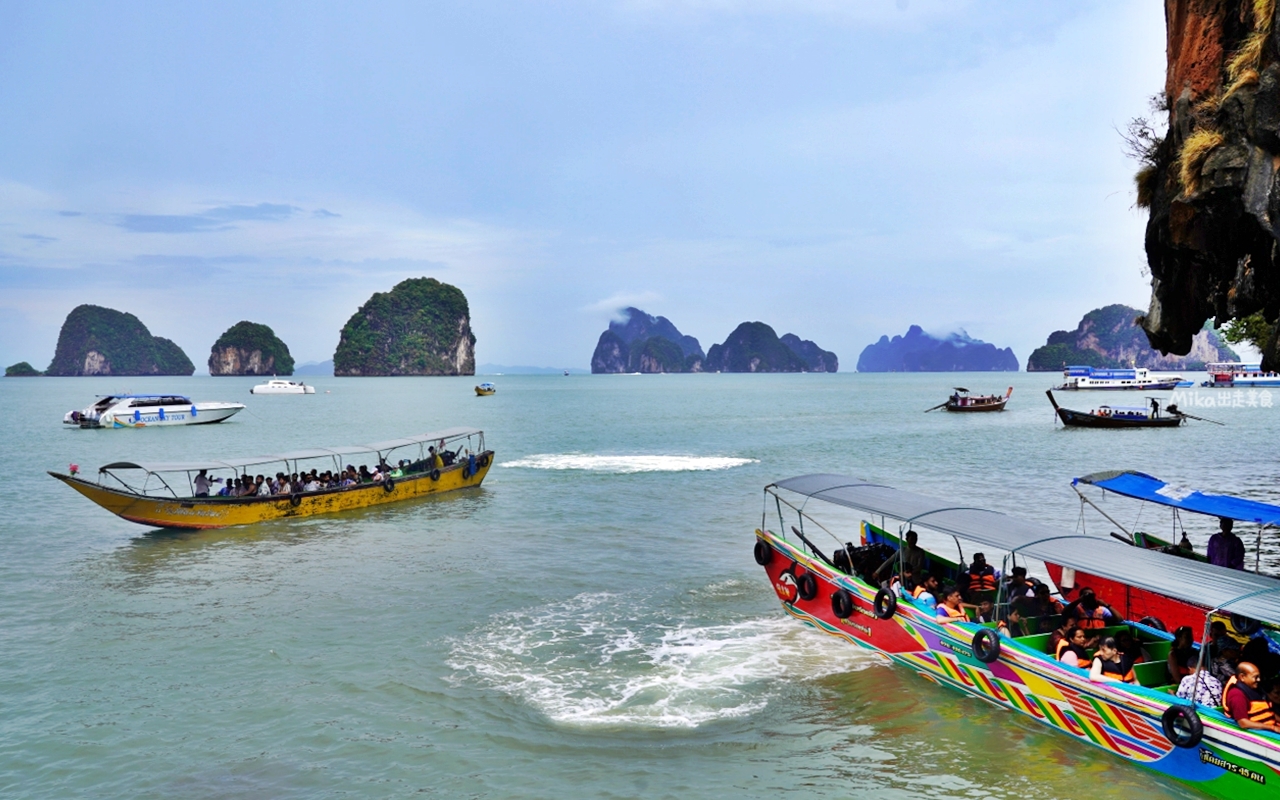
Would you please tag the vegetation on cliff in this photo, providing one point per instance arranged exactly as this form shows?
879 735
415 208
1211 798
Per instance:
1211 176
918 351
1110 337
640 342
249 348
21 370
754 347
102 341
420 327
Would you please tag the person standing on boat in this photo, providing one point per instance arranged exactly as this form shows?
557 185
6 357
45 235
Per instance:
1246 704
981 577
1225 548
910 554
204 483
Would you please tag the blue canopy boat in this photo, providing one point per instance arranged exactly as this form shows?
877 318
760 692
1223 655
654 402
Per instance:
1141 722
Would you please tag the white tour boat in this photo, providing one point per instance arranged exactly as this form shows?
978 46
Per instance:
149 411
1231 374
1095 378
276 386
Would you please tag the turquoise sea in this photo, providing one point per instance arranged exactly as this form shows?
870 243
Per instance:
590 624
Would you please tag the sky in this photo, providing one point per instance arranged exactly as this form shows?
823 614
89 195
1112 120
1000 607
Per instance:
838 170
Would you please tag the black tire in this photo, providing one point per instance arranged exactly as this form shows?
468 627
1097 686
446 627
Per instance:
842 603
886 604
295 499
1154 622
483 461
986 646
807 586
763 552
466 471
389 485
435 474
1245 626
1182 726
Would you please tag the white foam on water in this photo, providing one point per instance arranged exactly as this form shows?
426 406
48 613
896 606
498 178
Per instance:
593 660
627 464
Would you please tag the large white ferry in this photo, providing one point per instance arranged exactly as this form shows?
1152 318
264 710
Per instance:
1138 378
149 410
1230 374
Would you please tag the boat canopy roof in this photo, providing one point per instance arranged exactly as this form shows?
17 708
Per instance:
1141 486
380 448
1247 593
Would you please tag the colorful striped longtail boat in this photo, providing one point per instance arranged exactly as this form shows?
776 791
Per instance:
164 494
1144 723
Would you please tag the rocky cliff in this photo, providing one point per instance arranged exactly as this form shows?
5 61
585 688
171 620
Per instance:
248 348
755 347
815 358
1210 180
640 342
420 327
1110 337
102 341
918 351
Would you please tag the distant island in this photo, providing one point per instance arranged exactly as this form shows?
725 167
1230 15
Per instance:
324 368
102 341
755 347
918 351
249 348
640 342
420 327
1110 337
22 370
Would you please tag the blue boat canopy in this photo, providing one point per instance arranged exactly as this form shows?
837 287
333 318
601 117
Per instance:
1185 579
1141 486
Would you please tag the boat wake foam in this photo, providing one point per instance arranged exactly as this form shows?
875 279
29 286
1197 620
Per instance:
594 660
627 464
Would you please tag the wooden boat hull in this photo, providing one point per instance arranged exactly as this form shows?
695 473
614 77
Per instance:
221 512
996 406
1125 720
485 392
1083 419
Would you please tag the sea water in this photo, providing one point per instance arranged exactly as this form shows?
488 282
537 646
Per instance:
589 624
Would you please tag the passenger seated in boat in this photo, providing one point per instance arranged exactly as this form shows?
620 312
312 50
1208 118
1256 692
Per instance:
1130 647
1017 586
986 612
1182 655
1208 692
1109 665
1041 603
926 593
1012 625
910 554
981 577
264 486
1071 649
1245 703
952 607
1088 611
903 584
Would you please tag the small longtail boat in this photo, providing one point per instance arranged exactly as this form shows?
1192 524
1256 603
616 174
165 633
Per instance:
1168 612
963 401
485 389
164 493
1143 722
1120 416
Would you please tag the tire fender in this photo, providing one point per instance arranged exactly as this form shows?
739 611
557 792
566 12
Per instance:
295 499
986 646
807 586
842 603
886 604
1182 726
763 553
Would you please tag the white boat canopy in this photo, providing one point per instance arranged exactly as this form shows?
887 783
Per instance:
381 448
1247 593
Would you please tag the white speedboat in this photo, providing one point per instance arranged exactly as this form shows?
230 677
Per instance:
149 411
276 386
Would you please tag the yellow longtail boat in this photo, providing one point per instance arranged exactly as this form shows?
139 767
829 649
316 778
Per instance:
152 493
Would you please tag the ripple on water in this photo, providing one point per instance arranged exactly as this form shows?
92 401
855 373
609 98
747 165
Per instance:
624 465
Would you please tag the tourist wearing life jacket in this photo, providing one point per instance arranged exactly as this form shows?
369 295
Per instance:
1182 655
951 609
927 591
981 576
1011 625
1109 665
1071 648
1246 704
1088 611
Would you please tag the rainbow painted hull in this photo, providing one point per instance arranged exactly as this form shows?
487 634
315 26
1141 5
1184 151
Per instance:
1122 719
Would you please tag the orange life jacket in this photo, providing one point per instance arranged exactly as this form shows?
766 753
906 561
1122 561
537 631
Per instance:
953 613
919 590
1064 645
983 580
1090 620
1260 709
1122 669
